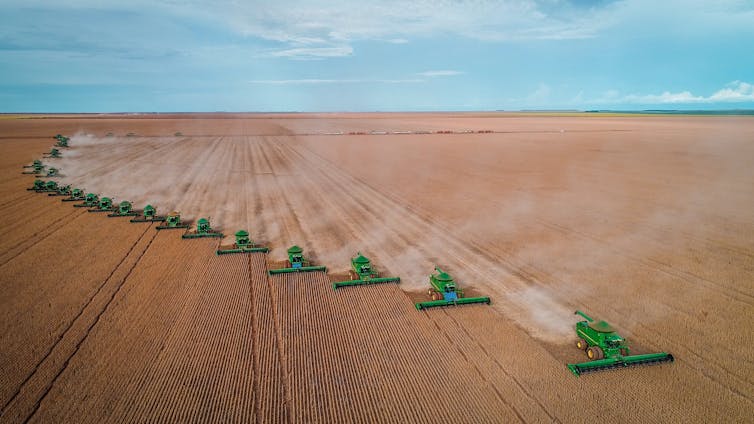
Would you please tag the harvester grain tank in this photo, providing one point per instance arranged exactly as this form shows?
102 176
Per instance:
91 200
105 204
149 214
172 222
444 292
296 262
54 153
203 229
362 273
38 185
606 349
125 208
77 194
243 244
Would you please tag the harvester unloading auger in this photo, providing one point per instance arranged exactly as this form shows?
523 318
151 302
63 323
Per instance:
243 244
362 273
444 292
296 262
203 229
125 208
149 214
607 350
172 222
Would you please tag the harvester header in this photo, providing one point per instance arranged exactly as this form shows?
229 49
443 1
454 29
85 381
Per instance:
296 262
444 292
362 273
606 349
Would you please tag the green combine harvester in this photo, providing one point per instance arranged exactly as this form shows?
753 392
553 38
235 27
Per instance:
105 204
243 244
362 273
296 262
203 229
445 293
91 200
38 185
62 141
125 208
54 153
53 172
49 187
607 350
77 194
64 190
172 222
149 214
37 168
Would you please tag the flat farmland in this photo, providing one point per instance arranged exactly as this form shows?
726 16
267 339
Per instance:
644 221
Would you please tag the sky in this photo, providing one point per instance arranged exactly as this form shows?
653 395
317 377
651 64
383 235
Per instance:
421 55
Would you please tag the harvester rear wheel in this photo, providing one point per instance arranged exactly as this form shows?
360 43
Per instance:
594 353
581 344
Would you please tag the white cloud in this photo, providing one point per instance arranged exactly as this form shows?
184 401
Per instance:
439 73
734 92
313 52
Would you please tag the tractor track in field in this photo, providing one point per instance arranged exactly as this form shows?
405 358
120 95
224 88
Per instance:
36 238
70 325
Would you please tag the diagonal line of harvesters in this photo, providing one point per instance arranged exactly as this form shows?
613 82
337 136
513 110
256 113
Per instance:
604 348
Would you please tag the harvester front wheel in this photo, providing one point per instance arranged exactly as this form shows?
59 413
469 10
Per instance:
594 353
581 344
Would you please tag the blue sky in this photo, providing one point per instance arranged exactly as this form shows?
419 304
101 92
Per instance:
223 55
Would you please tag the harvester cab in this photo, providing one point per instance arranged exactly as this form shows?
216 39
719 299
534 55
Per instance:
105 204
91 200
172 222
203 229
39 185
243 244
125 208
296 262
444 292
362 273
76 195
149 214
606 349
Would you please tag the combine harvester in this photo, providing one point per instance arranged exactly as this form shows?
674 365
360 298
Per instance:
607 350
62 141
91 200
445 293
54 153
77 194
38 186
203 229
53 172
172 222
62 191
37 168
149 214
243 244
49 187
125 208
105 204
296 262
362 273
